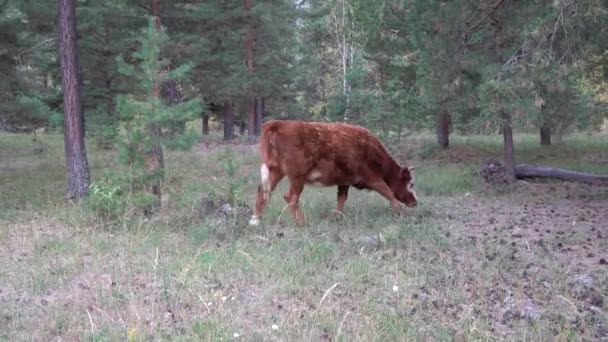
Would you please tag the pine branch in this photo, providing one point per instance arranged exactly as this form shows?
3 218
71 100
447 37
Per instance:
525 49
39 45
3 6
470 28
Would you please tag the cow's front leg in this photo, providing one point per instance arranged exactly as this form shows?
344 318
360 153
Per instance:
383 189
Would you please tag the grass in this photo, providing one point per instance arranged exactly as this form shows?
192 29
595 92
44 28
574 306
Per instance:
467 264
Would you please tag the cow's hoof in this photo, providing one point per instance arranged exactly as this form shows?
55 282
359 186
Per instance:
254 221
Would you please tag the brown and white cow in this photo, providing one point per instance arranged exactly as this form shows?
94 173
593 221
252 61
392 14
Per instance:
328 154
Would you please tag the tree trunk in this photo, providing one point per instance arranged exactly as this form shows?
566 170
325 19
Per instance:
249 58
78 177
107 74
251 115
443 129
509 150
242 127
545 135
228 112
259 113
154 158
529 171
205 124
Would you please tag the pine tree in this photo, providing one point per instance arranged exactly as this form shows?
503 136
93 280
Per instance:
75 152
144 113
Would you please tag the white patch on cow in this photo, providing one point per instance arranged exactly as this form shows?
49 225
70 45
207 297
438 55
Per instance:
313 178
265 177
314 175
265 180
254 221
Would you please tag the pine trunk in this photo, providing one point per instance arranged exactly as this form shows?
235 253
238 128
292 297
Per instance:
251 121
249 55
228 112
154 158
259 113
242 127
78 177
107 75
205 124
530 171
443 129
509 150
545 135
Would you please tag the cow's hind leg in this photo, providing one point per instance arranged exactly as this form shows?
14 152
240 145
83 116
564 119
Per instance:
269 178
292 197
342 196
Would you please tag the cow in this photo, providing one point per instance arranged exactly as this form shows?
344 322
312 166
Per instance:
328 154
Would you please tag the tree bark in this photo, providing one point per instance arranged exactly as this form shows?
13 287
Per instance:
78 176
249 60
108 75
242 127
529 171
443 129
205 124
251 115
228 112
509 150
545 135
154 158
259 113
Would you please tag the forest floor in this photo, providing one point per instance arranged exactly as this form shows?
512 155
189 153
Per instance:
525 262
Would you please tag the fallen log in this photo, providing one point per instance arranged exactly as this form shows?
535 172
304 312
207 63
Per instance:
530 171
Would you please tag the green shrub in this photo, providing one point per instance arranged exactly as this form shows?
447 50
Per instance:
109 199
232 189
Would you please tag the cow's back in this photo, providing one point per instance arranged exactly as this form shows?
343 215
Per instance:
327 153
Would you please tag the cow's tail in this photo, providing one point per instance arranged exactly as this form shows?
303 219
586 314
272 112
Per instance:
269 159
269 156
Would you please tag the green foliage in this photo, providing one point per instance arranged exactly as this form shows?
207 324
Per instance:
143 109
232 188
112 198
34 109
106 199
106 136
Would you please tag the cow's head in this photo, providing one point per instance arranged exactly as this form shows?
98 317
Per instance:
405 191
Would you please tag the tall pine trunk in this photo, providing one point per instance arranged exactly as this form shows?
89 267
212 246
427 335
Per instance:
251 121
228 112
249 59
205 120
154 158
78 177
243 127
505 117
443 129
545 135
259 113
509 150
108 75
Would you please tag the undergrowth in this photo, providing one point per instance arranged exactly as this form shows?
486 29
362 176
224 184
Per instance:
467 263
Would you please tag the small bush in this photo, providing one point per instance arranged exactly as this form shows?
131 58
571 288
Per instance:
232 189
106 137
109 201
